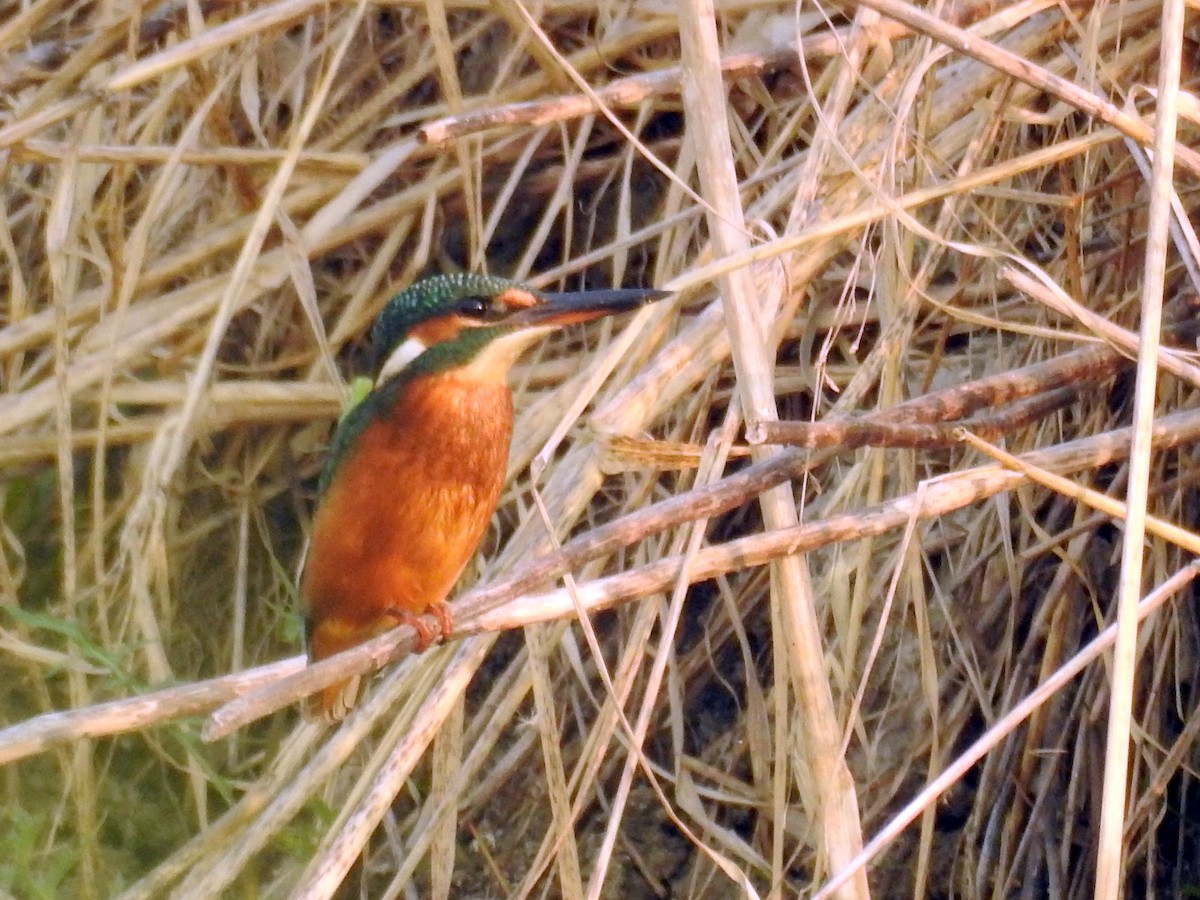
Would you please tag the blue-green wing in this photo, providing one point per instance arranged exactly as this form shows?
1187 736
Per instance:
351 425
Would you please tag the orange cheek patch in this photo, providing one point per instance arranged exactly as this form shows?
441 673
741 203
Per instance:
435 331
515 298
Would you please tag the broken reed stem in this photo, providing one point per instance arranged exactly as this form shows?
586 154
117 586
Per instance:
922 421
848 433
42 733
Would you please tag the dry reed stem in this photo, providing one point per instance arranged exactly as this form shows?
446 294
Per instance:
889 183
1111 851
796 632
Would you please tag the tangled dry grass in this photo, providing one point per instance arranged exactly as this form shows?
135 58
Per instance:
206 203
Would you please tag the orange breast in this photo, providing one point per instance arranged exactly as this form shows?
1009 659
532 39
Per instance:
406 508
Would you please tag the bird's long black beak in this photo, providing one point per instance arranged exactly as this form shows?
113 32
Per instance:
583 306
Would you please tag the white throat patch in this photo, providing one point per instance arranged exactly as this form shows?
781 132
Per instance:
492 363
410 348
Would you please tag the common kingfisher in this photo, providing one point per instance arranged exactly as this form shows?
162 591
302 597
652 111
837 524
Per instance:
415 469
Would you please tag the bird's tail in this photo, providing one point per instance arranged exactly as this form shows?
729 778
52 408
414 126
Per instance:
334 702
323 639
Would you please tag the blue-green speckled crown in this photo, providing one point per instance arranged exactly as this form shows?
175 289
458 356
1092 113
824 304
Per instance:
426 299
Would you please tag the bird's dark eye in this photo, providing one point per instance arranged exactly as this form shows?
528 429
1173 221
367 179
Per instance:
473 307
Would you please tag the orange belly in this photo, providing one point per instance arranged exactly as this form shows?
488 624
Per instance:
406 509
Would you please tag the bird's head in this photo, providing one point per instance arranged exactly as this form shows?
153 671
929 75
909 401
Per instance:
481 321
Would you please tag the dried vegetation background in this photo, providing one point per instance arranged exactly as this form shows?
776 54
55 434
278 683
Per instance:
204 204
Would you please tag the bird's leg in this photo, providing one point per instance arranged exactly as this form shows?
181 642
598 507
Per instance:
425 634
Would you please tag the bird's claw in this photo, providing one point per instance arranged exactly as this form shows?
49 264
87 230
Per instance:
425 634
445 620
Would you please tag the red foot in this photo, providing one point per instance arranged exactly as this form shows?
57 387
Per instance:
425 634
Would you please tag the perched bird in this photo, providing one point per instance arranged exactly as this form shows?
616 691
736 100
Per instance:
415 470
